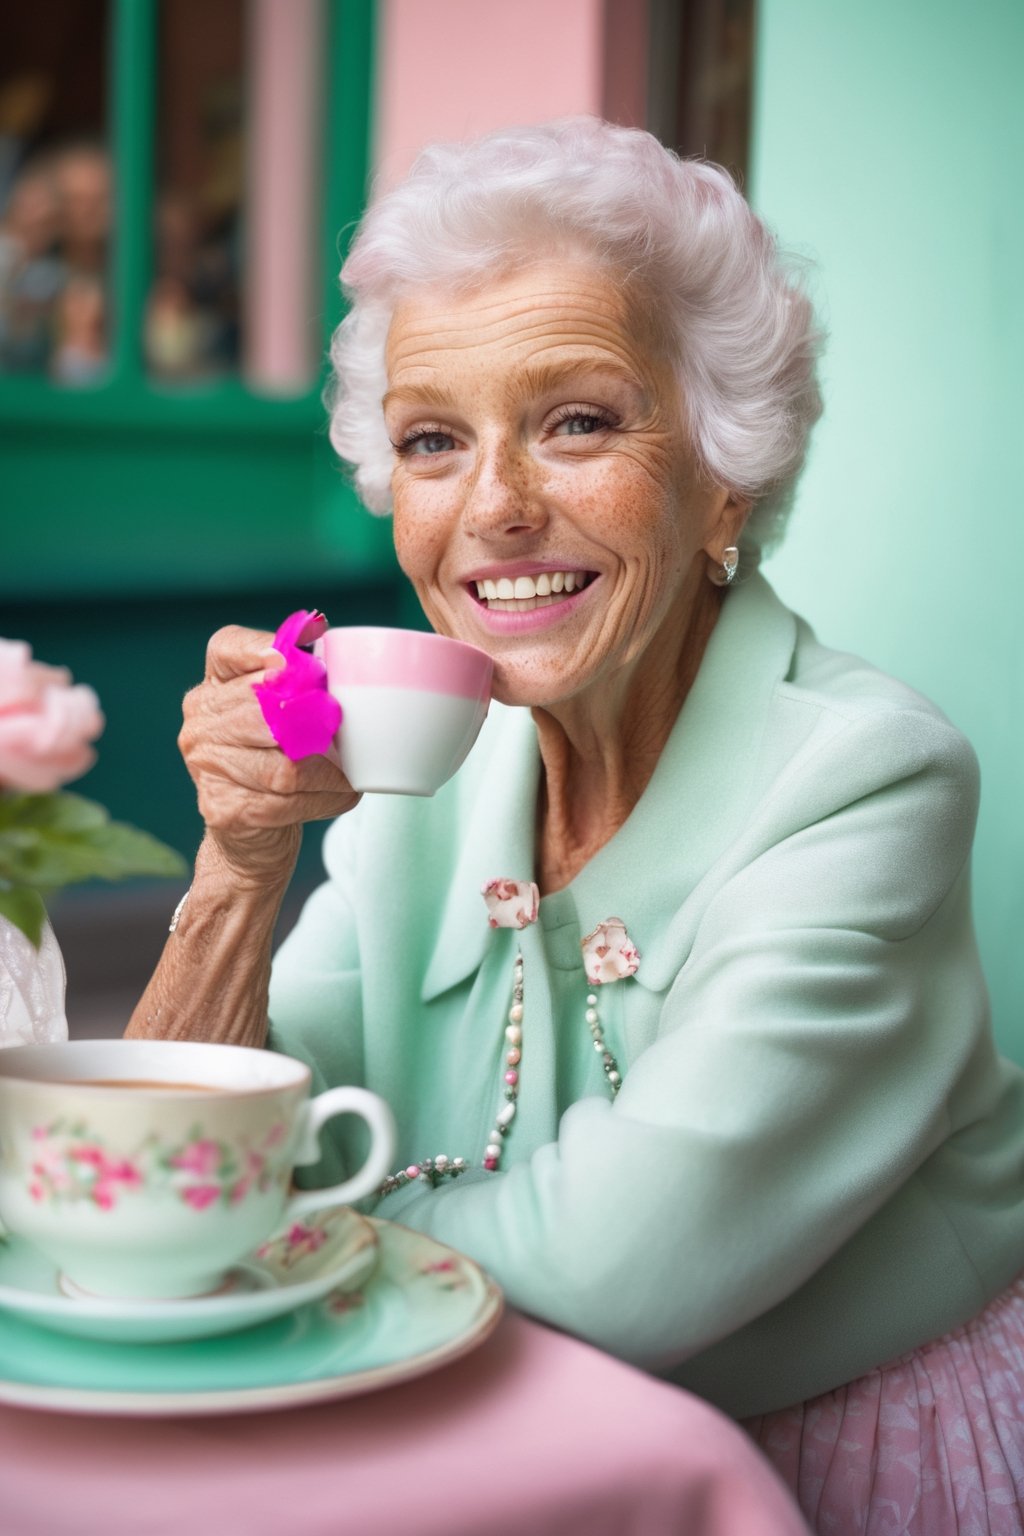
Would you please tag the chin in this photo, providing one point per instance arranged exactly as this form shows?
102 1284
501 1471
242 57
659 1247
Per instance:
510 687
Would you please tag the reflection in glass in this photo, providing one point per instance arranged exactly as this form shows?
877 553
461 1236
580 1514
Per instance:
192 315
55 190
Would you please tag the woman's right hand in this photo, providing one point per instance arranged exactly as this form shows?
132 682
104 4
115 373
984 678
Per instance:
252 798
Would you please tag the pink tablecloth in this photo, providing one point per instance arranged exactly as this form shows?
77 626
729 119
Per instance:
534 1434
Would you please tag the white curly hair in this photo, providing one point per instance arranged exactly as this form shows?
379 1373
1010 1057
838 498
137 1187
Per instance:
731 307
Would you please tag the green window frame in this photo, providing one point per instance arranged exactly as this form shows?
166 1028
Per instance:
134 486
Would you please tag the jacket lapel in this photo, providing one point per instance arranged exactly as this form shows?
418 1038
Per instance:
497 797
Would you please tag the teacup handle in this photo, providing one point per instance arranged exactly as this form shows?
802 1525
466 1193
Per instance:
344 1101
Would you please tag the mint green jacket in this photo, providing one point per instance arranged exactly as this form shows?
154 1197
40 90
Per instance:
816 1160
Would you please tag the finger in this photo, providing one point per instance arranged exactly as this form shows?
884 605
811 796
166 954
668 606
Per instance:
236 652
228 711
261 772
226 806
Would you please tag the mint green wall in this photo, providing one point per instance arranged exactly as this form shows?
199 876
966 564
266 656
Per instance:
889 147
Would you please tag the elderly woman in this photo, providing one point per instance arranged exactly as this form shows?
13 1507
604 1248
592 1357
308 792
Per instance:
707 1078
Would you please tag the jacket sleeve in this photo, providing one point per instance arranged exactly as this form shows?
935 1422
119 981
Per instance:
315 1006
807 1051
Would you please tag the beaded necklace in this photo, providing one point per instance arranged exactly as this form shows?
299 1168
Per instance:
608 955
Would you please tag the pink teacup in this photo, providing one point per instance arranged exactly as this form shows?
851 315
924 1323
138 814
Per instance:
412 705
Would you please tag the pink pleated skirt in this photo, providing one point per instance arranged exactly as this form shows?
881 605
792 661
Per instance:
930 1445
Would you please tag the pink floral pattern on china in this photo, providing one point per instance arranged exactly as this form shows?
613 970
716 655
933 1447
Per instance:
511 903
301 1239
344 1303
609 953
447 1274
71 1163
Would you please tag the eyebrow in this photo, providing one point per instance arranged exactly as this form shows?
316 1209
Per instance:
418 394
538 378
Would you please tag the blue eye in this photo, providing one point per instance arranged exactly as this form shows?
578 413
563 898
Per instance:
424 443
578 422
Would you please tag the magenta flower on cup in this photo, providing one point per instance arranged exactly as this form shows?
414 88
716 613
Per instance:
49 839
301 715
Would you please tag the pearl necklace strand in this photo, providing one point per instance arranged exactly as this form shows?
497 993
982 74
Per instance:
440 1167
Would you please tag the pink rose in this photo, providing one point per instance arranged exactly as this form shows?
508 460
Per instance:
46 723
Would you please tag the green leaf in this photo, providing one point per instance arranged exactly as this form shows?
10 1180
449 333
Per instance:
25 910
61 812
49 841
120 850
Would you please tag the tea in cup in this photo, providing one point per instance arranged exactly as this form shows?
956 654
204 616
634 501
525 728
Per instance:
412 705
148 1168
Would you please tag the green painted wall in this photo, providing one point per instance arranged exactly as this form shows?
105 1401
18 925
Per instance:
889 147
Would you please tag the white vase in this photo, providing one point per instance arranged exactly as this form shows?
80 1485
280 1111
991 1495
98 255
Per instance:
32 983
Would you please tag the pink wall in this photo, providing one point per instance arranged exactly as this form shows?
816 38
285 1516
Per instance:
445 69
448 69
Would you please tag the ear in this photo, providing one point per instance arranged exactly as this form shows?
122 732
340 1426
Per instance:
727 527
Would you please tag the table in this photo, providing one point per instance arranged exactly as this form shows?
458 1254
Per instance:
533 1434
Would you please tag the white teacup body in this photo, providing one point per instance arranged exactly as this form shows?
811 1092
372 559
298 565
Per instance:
412 705
146 1169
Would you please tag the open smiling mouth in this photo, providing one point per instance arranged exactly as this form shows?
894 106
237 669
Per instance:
519 594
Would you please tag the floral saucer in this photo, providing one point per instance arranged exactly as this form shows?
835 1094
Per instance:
422 1306
334 1250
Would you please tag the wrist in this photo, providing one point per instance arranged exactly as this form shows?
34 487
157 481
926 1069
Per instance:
262 867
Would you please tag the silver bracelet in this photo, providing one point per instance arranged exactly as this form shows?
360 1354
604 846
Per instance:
176 914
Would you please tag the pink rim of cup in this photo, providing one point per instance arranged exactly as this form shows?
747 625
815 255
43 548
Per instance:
404 658
412 705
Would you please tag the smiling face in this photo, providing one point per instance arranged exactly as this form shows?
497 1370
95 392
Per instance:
547 505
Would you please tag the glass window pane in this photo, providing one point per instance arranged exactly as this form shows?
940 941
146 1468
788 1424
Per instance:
193 321
55 190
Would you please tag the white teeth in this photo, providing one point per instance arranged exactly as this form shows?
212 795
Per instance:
525 592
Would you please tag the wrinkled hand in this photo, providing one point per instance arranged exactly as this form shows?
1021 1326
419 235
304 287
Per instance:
251 797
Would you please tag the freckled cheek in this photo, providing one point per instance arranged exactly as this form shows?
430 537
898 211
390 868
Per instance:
421 534
626 527
619 504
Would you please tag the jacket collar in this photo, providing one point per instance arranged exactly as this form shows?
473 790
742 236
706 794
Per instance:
699 796
493 818
694 806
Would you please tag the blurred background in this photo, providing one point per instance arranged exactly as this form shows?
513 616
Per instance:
178 180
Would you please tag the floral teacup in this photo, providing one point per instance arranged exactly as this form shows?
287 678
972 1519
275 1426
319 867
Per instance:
148 1168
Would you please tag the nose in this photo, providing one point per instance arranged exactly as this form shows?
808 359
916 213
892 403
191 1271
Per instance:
503 498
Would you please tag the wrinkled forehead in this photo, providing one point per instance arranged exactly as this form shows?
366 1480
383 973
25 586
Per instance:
566 309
